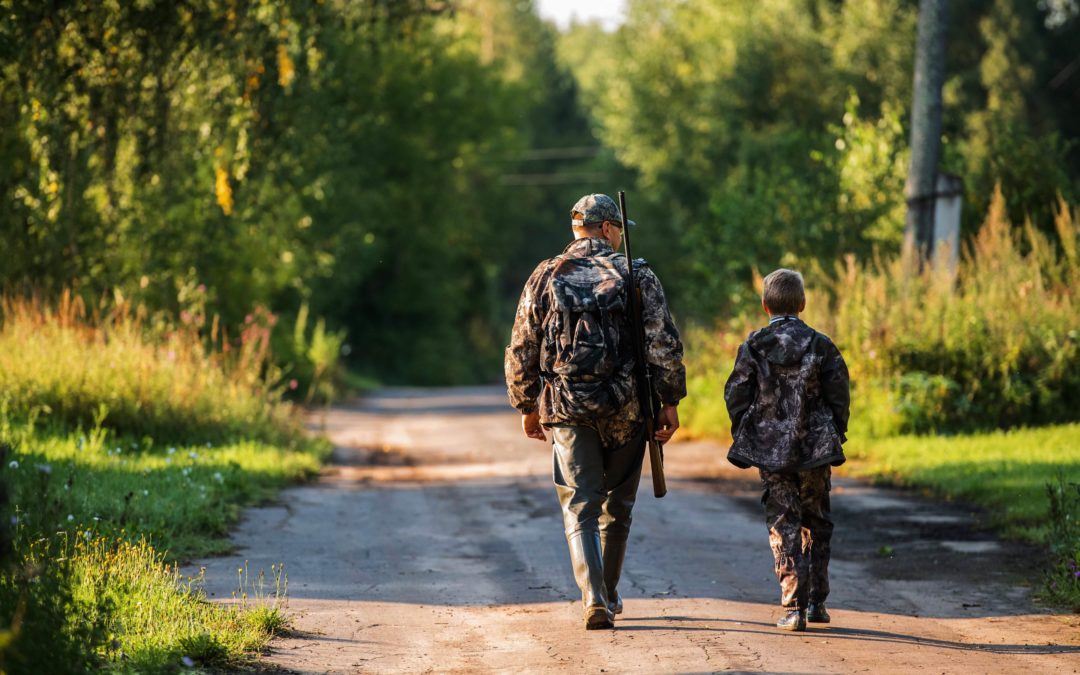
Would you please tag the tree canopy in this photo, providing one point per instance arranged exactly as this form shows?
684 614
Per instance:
399 167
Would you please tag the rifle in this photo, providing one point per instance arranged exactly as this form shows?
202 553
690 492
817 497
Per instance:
646 395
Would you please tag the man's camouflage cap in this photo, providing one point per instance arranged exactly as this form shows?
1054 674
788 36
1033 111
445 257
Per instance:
594 209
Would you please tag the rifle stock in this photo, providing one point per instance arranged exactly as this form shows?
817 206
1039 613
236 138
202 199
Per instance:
644 382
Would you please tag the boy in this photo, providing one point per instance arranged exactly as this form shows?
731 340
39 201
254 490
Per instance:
788 402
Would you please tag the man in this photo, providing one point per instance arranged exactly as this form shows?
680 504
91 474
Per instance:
570 368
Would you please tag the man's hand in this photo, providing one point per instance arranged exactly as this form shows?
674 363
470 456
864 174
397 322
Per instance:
666 423
530 424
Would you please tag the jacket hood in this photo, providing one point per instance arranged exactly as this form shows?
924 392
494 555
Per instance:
784 342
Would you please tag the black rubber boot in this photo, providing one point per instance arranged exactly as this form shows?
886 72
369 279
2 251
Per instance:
816 613
614 553
794 619
588 562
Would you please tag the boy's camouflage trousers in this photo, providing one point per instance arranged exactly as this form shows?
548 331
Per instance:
800 532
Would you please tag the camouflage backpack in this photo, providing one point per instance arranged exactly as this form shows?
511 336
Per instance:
584 328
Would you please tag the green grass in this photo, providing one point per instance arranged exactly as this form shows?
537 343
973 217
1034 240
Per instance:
1005 471
131 444
121 513
710 357
182 498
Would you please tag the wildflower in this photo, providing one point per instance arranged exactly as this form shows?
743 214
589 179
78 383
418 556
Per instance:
70 517
209 444
13 464
14 520
293 384
86 535
1077 574
146 493
218 477
172 451
168 460
44 468
187 661
193 455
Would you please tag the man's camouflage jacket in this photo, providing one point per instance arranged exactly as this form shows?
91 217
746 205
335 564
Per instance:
531 355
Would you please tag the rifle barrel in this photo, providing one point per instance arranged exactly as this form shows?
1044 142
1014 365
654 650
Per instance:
644 381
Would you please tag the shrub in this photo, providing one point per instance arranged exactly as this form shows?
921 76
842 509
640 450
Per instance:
311 363
1062 585
995 345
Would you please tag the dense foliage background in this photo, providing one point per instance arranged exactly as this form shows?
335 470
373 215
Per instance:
397 168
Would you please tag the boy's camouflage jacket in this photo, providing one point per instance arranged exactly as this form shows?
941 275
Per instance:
788 399
531 355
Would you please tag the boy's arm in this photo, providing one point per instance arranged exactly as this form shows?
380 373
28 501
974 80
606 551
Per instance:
835 388
741 387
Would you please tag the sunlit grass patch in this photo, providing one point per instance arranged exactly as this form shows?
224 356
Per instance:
130 444
1005 471
88 600
118 516
181 497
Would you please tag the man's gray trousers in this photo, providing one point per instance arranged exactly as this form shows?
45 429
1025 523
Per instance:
597 485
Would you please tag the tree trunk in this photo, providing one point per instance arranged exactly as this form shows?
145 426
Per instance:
925 128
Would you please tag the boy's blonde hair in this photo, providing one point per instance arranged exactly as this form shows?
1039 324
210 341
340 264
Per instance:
783 292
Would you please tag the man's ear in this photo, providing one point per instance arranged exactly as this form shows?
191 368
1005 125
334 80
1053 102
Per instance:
765 307
802 305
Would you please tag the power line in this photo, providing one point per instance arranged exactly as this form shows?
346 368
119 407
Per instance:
574 152
526 179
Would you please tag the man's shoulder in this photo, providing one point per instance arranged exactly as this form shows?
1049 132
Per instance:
544 267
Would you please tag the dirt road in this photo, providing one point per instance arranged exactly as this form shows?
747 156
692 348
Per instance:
435 545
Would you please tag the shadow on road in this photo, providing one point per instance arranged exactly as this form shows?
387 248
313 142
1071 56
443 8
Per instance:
838 633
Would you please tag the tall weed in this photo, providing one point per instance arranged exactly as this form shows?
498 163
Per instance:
139 375
994 345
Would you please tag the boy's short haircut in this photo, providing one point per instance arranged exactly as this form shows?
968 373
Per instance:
783 292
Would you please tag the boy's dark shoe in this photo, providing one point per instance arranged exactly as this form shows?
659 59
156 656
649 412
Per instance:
794 620
816 613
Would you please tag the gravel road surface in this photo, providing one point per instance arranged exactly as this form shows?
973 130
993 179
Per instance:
434 544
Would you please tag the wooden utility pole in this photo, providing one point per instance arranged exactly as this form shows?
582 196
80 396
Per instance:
925 129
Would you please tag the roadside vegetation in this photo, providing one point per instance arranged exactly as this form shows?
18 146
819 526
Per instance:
964 383
130 444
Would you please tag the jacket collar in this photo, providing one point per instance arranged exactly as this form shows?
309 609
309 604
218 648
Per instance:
587 247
